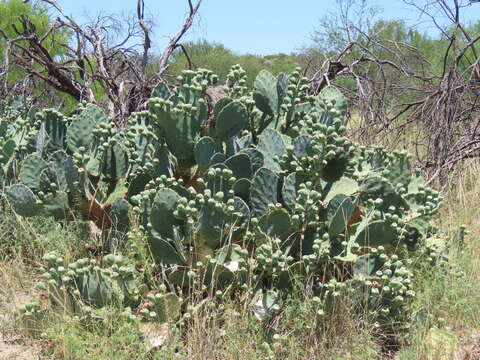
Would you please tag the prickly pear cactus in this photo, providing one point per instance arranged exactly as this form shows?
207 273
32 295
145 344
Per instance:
84 284
302 200
256 190
58 166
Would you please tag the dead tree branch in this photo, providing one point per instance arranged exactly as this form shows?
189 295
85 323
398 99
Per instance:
173 43
396 93
99 54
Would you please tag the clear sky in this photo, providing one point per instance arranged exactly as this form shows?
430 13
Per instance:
245 26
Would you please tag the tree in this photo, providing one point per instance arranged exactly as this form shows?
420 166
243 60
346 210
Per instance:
203 54
96 65
396 76
348 23
11 13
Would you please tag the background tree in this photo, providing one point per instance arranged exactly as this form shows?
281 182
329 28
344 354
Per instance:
14 79
219 59
106 61
403 82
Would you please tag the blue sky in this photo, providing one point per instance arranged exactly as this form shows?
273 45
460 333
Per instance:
245 26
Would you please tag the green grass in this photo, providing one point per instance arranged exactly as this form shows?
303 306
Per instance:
29 240
451 298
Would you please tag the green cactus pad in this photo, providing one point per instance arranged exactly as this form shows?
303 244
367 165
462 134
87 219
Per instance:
163 252
344 185
115 165
272 147
160 91
205 148
54 130
217 159
277 225
263 191
302 146
137 184
220 104
375 233
23 201
65 172
241 187
3 128
56 205
182 127
80 131
211 226
339 212
282 85
240 165
161 216
265 92
374 187
231 120
164 163
333 95
95 289
242 210
119 215
32 167
256 158
7 151
289 190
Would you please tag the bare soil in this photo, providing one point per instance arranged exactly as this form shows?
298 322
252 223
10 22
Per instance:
470 349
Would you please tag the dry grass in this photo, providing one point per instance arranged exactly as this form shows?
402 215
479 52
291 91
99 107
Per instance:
297 334
15 291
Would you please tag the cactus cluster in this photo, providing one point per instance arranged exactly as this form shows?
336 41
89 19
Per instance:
85 284
298 197
54 165
255 190
387 282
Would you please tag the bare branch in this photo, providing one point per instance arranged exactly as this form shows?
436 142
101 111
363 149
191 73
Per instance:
146 41
100 54
172 44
